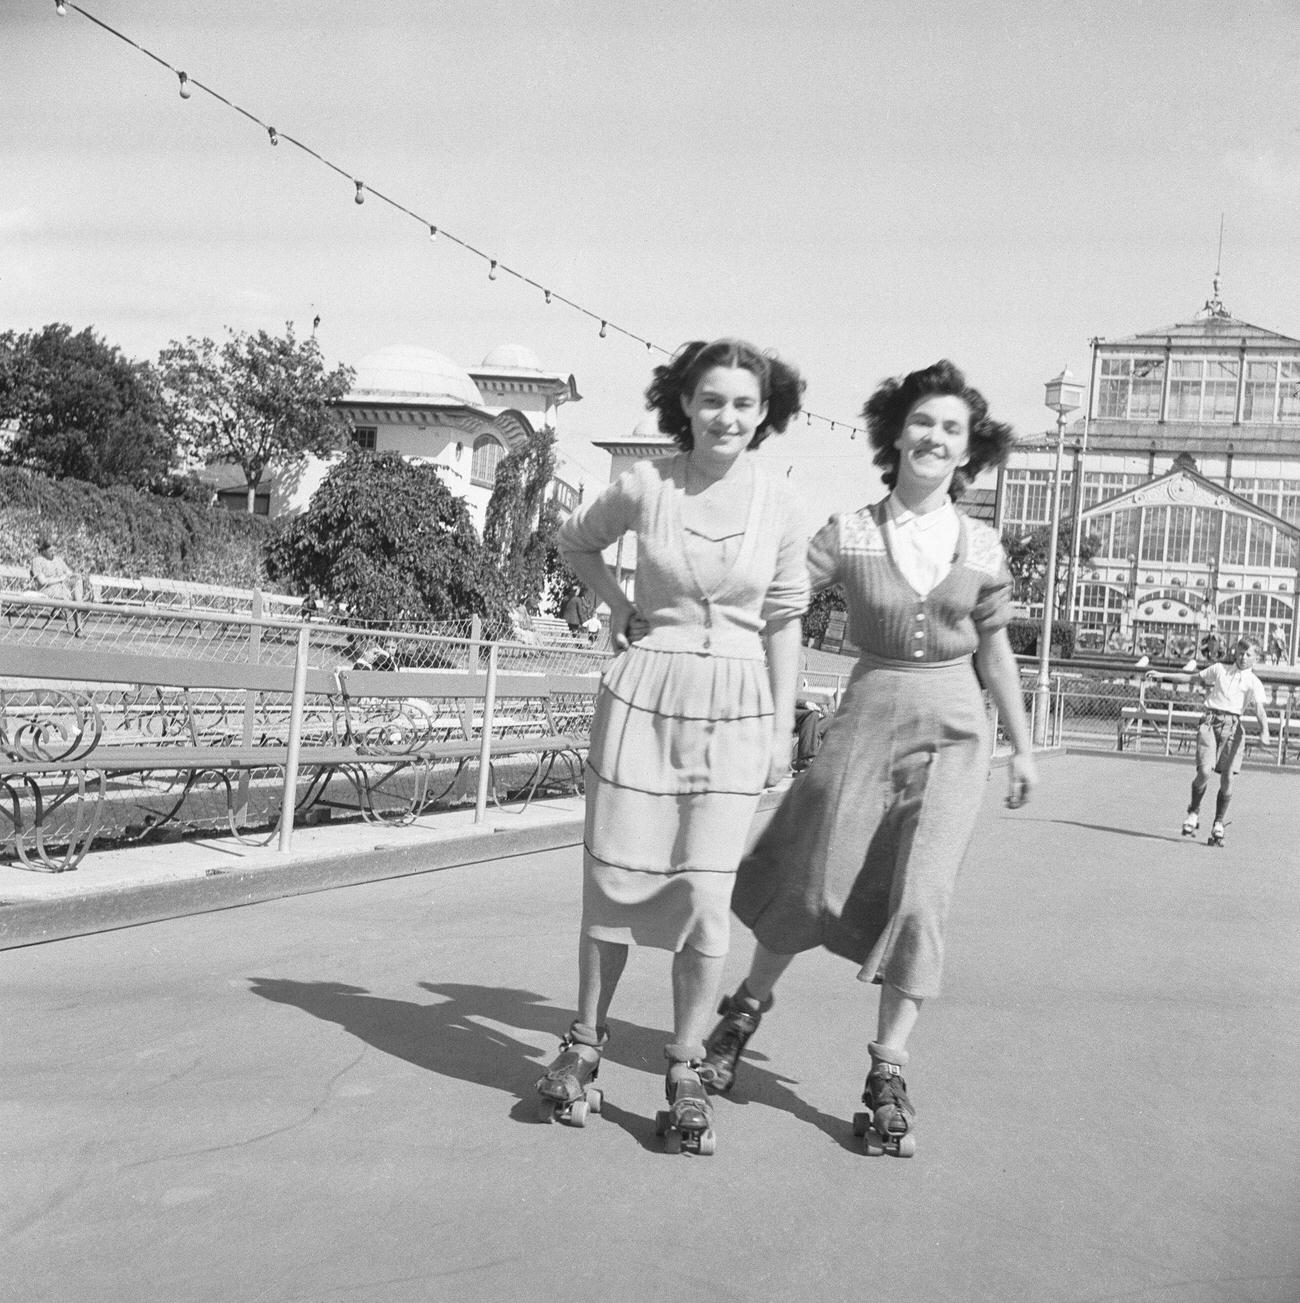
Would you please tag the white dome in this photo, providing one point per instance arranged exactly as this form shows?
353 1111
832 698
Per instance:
647 428
409 372
514 357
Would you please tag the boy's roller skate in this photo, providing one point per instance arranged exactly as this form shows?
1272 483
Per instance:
687 1122
566 1088
1216 834
888 1125
741 1014
1191 824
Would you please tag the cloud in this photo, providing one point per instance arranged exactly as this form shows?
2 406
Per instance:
1265 173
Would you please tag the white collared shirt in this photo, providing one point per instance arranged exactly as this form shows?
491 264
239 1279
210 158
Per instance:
924 547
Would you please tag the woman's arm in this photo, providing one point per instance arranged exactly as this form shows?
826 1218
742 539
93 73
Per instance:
782 637
591 569
1000 673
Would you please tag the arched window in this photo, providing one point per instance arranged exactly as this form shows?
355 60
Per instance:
483 469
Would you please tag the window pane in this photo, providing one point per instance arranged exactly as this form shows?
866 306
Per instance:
1180 532
1234 541
1205 537
1261 391
1148 383
1153 533
1260 551
1288 399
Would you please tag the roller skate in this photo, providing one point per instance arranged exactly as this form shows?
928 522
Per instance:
1216 834
741 1014
888 1125
1191 824
565 1089
687 1123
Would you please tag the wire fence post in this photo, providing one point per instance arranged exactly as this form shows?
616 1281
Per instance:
485 736
475 639
289 798
250 709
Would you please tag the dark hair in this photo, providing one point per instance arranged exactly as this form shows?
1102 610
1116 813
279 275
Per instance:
779 385
886 412
1250 640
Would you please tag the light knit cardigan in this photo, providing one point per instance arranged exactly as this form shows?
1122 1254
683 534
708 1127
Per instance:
767 581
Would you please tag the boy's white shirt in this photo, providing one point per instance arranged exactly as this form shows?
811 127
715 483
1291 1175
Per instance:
1229 688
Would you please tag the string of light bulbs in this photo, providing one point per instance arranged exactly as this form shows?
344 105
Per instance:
187 85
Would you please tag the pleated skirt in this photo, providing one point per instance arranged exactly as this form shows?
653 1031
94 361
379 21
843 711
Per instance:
863 854
679 753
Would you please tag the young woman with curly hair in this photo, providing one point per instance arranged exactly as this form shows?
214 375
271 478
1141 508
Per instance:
863 854
692 720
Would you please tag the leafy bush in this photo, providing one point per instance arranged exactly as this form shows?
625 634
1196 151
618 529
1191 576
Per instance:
1024 636
120 531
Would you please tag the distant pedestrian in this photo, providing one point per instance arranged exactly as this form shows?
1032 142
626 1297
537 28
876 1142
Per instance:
54 577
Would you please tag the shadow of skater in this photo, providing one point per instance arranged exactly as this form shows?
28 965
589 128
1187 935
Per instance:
454 1038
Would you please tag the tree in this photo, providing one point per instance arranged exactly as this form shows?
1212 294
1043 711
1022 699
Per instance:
519 527
84 410
819 611
388 539
1027 558
259 401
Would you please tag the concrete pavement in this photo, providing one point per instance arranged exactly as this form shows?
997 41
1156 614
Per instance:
328 1096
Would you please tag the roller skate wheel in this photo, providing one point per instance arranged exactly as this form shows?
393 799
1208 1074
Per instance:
906 1147
861 1123
595 1099
871 1143
576 1114
672 1141
706 1143
661 1123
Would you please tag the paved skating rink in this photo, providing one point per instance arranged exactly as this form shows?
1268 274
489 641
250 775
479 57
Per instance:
329 1097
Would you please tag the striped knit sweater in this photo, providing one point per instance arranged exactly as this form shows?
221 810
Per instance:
887 618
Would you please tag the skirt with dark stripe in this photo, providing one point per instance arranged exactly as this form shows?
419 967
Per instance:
679 754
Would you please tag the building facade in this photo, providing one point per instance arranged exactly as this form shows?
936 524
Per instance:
1186 466
419 403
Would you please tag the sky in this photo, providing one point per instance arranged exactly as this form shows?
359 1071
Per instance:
861 185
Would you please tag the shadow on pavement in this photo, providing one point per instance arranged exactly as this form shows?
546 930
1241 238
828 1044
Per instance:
448 1038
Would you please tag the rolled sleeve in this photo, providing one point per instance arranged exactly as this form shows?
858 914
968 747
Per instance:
789 591
823 559
993 610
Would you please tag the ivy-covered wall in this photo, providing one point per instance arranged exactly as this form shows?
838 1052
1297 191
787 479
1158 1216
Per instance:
119 531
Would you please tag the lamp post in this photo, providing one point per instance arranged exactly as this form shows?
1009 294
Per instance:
1063 396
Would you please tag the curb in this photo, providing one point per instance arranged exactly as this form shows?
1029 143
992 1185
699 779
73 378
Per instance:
27 923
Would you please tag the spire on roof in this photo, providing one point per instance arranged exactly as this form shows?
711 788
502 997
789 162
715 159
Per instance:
1214 306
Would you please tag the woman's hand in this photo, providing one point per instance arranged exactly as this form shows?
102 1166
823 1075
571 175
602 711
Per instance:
778 767
1022 777
626 624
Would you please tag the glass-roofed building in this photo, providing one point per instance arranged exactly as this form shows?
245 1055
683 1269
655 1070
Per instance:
1188 458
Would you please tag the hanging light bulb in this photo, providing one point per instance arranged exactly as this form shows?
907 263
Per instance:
361 191
808 417
433 232
648 346
60 8
492 270
548 295
603 331
185 85
275 138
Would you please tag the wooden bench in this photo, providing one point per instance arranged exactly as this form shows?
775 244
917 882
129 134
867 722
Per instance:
76 722
1169 723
